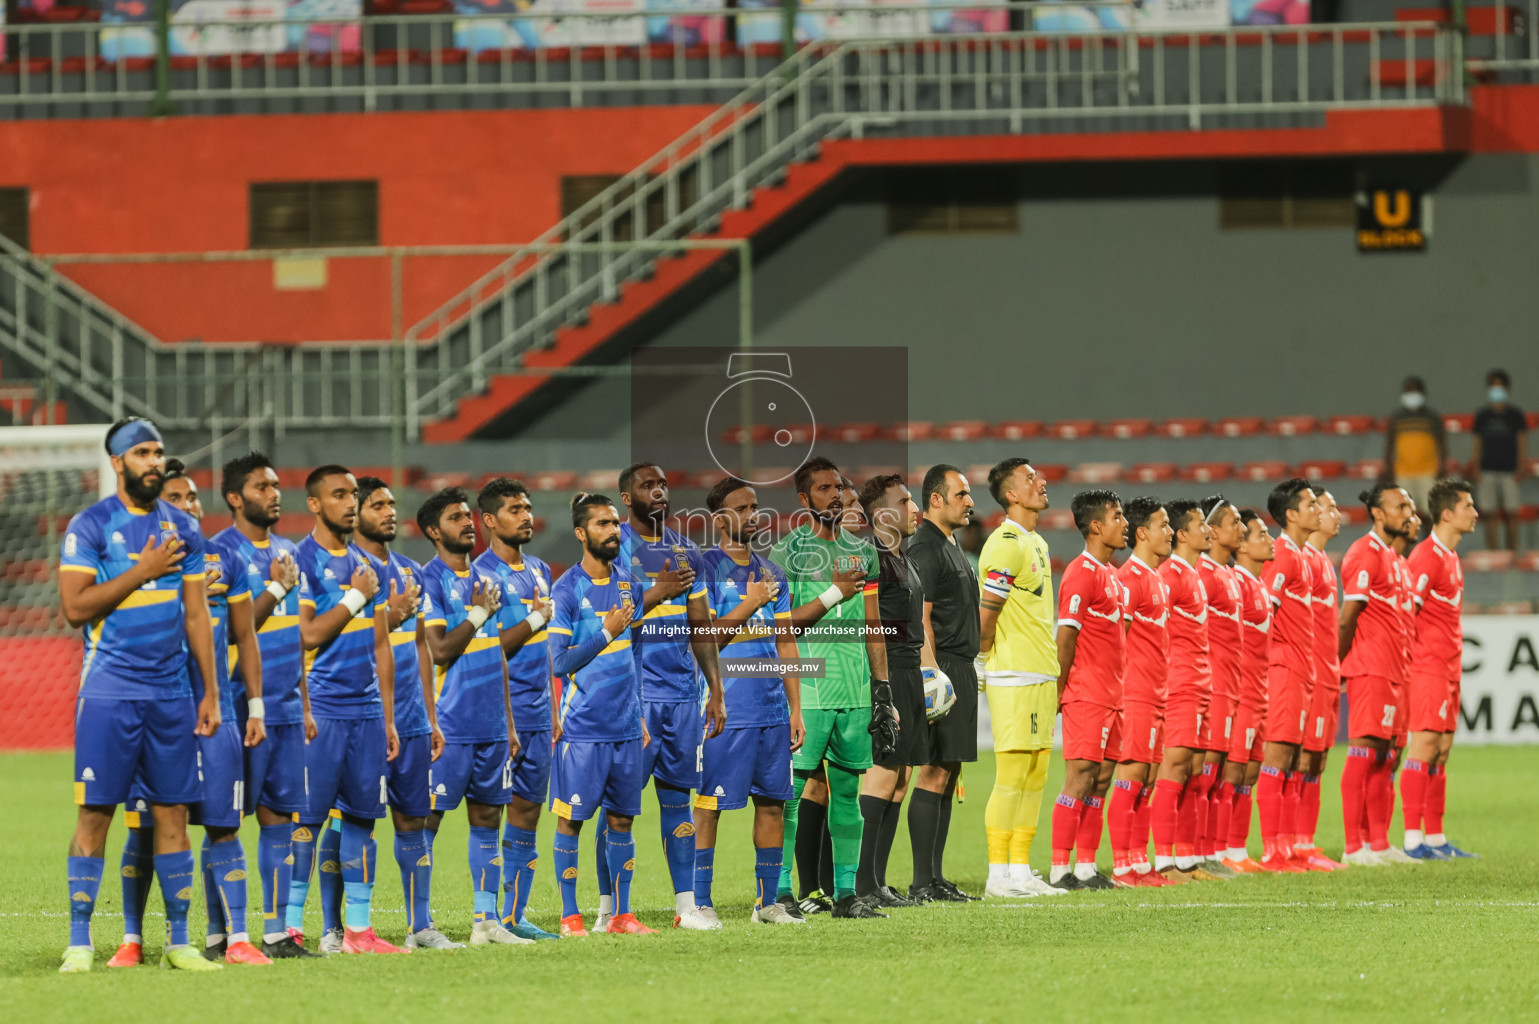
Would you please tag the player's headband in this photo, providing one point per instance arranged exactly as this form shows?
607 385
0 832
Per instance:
130 434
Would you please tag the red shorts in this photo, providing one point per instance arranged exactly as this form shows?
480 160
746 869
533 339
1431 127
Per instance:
1142 724
1373 707
1090 732
1183 720
1287 705
1324 708
1433 704
1217 725
1245 742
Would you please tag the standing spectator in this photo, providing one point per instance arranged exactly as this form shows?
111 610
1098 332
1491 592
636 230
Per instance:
1501 445
1415 446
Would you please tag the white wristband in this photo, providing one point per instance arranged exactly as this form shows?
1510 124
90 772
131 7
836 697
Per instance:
536 621
831 597
277 590
255 708
608 637
477 616
354 601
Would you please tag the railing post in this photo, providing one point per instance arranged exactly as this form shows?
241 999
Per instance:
161 105
51 345
788 11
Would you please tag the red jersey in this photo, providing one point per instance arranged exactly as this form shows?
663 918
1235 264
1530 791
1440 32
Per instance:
1225 634
1407 614
1327 627
1437 585
1091 598
1256 614
1148 641
1371 574
1290 586
1190 671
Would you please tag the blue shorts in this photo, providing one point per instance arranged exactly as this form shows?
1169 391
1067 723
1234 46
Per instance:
121 742
753 760
531 768
407 782
587 776
275 771
345 769
480 772
677 732
223 771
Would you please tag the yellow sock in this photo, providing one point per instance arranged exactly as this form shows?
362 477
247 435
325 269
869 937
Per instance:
1029 810
999 816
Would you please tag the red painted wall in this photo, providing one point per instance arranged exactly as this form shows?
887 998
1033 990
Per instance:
180 185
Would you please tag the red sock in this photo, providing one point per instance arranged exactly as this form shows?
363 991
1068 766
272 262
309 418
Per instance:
1414 781
1143 818
1164 812
1437 798
1380 796
1287 821
1066 815
1239 820
1186 819
1088 843
1205 783
1120 817
1309 809
1221 808
1269 801
1354 791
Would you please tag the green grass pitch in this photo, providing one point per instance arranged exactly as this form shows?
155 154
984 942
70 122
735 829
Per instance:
1433 941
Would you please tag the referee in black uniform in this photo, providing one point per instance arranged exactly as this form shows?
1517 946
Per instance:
951 626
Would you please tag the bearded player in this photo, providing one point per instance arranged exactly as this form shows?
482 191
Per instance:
1248 747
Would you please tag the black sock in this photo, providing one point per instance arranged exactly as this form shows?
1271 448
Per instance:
873 809
924 812
826 862
811 830
943 829
885 840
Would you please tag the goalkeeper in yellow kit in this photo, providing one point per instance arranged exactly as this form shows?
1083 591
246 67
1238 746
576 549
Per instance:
1018 669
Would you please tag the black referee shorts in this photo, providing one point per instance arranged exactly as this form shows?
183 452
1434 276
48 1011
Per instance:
955 737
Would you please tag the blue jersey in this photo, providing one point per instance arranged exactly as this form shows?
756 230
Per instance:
283 657
232 586
600 694
752 701
472 692
137 651
344 680
661 637
411 717
529 668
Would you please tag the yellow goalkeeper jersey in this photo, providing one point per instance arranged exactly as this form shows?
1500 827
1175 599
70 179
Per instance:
1014 567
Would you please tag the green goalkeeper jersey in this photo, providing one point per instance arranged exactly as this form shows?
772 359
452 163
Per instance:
839 636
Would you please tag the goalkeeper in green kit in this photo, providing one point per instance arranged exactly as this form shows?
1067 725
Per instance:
832 575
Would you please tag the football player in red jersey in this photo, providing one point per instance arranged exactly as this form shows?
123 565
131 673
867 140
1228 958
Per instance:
1226 641
1248 746
1432 694
1291 675
1090 665
1320 728
1143 692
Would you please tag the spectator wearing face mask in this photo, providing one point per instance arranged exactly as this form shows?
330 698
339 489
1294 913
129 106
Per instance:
1501 445
1415 446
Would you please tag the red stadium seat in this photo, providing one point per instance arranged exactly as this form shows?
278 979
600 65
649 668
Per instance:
1239 426
1510 608
1348 425
391 58
994 520
851 433
1051 472
1129 428
553 480
961 430
759 433
1056 519
1528 561
860 474
913 430
1269 469
1292 426
1352 513
978 474
438 481
1151 472
602 480
1015 430
1368 469
1322 469
1459 423
1057 565
916 480
1487 561
1068 430
1183 427
1096 473
1533 421
1205 472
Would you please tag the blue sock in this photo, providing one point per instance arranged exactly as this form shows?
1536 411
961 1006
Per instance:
357 874
416 864
275 860
302 847
138 875
565 857
622 854
519 857
705 868
430 835
678 828
485 872
175 871
211 901
766 873
329 877
228 860
601 855
85 880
